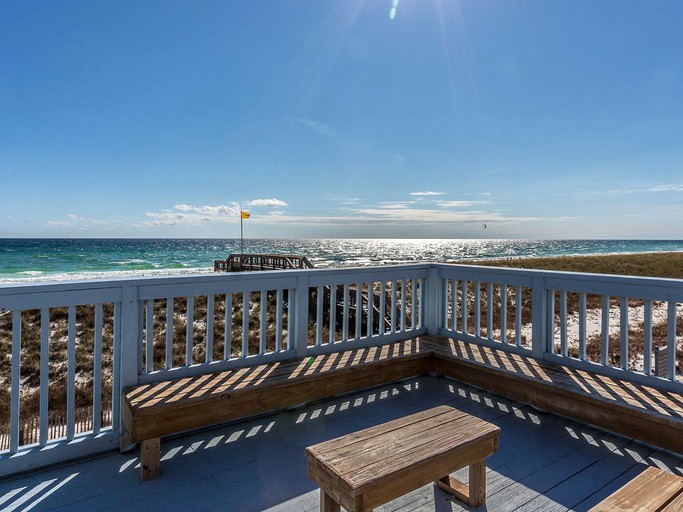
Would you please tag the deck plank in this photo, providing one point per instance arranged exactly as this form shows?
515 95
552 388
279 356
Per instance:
259 464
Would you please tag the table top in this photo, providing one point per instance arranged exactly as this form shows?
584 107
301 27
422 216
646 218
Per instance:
359 458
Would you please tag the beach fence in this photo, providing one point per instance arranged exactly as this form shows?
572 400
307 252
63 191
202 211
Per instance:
29 429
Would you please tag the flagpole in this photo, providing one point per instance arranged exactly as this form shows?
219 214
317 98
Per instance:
241 233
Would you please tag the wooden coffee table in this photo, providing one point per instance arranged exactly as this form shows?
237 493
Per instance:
365 469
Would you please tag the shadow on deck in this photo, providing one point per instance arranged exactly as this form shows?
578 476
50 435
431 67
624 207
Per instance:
545 462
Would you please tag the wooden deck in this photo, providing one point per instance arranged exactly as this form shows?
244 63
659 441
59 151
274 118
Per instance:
545 462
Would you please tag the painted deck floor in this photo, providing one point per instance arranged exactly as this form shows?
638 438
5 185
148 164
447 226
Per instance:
545 462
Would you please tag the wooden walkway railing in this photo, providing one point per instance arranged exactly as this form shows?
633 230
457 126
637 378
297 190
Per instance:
254 262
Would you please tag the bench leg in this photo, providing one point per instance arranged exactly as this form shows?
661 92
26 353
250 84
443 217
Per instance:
473 494
477 483
327 503
150 454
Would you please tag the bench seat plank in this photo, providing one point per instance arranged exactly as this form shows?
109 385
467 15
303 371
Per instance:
168 408
652 490
368 468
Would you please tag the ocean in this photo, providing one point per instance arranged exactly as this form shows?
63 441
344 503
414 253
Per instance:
32 260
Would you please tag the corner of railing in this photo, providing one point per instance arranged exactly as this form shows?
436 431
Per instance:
539 317
432 305
300 335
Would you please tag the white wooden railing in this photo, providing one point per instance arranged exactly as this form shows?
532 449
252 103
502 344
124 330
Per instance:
115 334
602 323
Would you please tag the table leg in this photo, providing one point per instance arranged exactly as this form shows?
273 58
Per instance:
327 503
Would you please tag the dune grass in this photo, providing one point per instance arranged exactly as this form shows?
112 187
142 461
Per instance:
665 264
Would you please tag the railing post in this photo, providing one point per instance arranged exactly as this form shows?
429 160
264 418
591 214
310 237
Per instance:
539 317
301 296
130 347
432 306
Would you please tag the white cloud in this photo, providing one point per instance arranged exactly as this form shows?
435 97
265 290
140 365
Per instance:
188 214
74 221
428 193
671 187
457 204
666 188
397 214
267 202
320 127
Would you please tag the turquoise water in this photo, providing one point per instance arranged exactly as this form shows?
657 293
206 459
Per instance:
27 260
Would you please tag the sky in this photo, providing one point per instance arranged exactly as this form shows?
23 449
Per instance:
342 118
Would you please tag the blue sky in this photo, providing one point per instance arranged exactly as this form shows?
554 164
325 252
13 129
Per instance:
350 118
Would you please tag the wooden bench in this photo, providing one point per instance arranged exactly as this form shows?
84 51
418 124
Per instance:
153 410
365 469
653 490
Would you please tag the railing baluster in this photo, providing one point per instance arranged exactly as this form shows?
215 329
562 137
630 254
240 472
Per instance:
393 306
210 306
413 302
582 326
403 305
551 321
141 325
319 317
97 373
422 307
503 313
189 332
246 299
371 309
278 320
359 310
71 376
291 343
169 333
671 341
454 303
333 313
44 374
345 314
477 309
116 369
623 333
382 320
149 337
227 332
563 324
463 307
518 316
647 338
489 311
604 333
263 325
16 381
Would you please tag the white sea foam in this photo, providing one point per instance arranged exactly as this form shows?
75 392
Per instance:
38 277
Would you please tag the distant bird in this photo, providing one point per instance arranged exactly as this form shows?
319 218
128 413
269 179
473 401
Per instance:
484 226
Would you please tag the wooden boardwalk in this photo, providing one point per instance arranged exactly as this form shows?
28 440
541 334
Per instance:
545 462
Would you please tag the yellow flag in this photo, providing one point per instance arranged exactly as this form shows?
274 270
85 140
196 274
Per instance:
245 215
